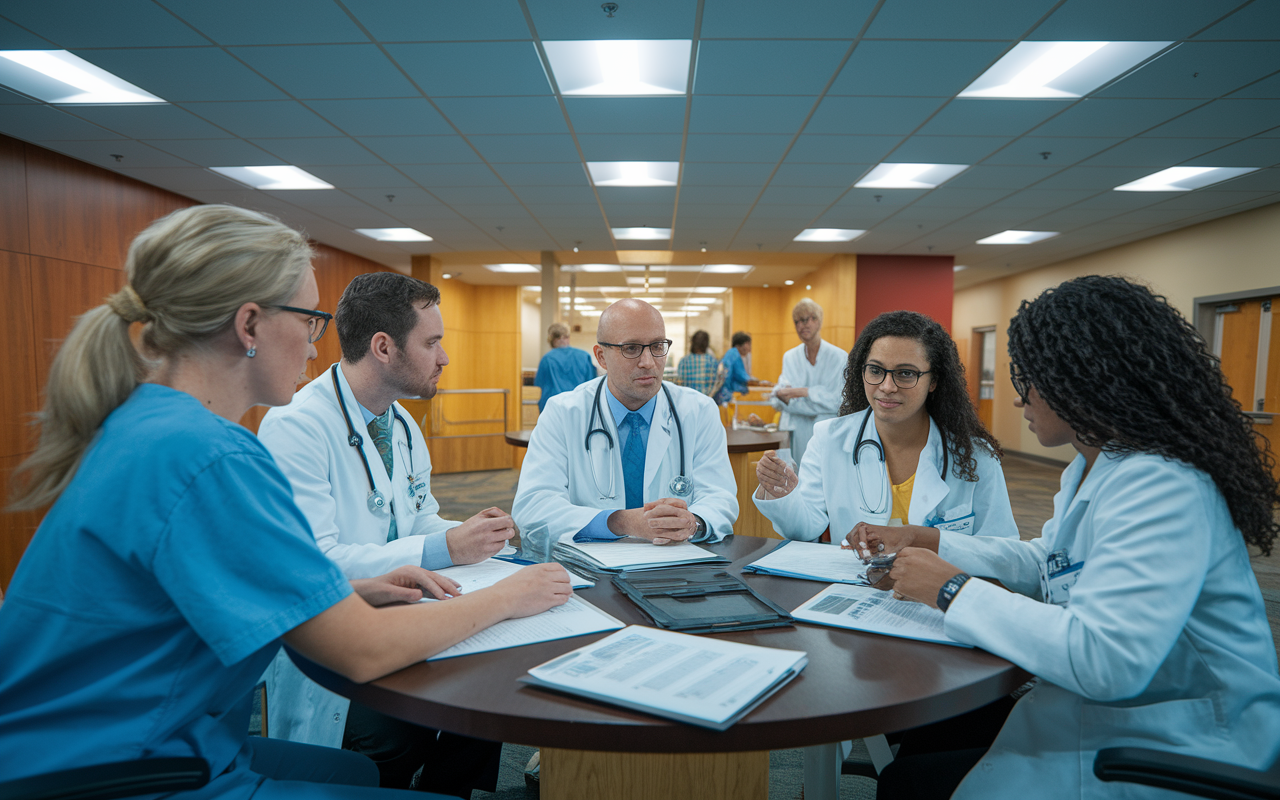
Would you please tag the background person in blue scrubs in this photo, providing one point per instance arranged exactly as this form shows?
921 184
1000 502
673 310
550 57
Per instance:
563 367
174 560
1137 608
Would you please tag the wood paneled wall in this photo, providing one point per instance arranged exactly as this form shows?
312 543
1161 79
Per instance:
65 227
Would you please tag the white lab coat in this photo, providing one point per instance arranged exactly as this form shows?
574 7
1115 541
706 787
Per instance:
825 381
830 489
557 497
1156 635
308 438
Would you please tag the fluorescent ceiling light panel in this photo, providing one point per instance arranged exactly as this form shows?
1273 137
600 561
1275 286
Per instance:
592 268
620 67
656 281
702 301
642 234
1059 69
1018 237
1183 179
909 176
691 310
394 234
517 268
56 76
828 235
634 173
959 267
711 289
728 269
273 178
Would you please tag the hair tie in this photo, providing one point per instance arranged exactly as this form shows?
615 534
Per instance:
129 306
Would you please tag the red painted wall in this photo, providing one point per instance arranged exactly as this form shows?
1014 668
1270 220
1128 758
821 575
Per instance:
912 283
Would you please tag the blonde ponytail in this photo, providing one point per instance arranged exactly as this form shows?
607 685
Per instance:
188 273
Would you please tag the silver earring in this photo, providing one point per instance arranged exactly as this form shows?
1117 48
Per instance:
251 352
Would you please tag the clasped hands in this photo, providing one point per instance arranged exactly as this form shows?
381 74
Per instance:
918 572
666 520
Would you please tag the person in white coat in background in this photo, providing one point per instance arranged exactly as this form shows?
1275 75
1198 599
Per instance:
361 473
812 379
1137 608
626 454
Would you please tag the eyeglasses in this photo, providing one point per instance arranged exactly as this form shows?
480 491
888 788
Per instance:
317 323
657 349
1020 383
804 320
902 378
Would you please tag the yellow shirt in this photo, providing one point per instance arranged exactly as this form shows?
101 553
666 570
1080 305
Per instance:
902 498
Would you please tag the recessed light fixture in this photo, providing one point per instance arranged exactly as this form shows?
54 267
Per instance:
559 288
828 235
1059 69
620 67
711 289
789 283
56 76
642 234
638 281
959 267
808 286
909 176
395 235
517 268
447 276
273 178
590 268
728 269
1183 179
1018 237
703 301
634 173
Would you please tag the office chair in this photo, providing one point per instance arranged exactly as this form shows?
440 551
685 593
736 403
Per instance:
1188 774
109 781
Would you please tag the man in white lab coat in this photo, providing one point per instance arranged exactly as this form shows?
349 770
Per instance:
812 381
361 474
626 454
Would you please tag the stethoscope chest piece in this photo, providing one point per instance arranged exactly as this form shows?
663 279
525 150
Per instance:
681 486
376 502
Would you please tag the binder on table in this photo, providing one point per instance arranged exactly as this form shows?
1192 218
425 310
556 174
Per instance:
699 600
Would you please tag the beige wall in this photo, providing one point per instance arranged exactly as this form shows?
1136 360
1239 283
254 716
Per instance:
1236 253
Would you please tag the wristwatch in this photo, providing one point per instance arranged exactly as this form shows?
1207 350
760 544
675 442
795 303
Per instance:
701 531
949 590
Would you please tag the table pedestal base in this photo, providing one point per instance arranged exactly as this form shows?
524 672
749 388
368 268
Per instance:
590 775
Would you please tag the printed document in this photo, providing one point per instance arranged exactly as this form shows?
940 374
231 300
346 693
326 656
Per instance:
707 682
812 561
575 618
862 608
488 572
634 554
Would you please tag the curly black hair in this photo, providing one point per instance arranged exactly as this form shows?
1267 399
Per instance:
949 404
1129 374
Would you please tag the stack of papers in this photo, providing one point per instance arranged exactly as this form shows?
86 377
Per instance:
631 554
862 608
711 683
812 561
575 618
488 572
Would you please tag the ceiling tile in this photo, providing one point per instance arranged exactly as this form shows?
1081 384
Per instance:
1000 177
626 115
549 197
1199 70
361 176
309 152
151 121
652 19
1123 118
8 98
1048 150
880 198
703 174
537 148
41 123
980 117
1267 87
433 176
1038 198
1206 201
13 37
828 175
814 19
322 71
1246 23
404 199
802 196
401 117
828 148
120 23
735 148
1246 153
705 212
268 119
630 147
546 175
217 152
1264 180
1150 151
504 114
180 179
713 114
473 69
767 67
911 68
413 20
1106 20
450 149
1237 119
872 115
233 22
1100 179
928 19
922 149
182 74
472 195
134 154
953 197
614 195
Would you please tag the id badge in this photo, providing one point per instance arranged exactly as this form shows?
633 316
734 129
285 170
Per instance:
1058 576
418 491
958 525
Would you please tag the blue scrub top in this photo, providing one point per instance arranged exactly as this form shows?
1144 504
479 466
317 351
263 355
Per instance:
153 597
735 378
562 369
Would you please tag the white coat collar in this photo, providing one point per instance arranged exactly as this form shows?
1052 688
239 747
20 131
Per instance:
930 486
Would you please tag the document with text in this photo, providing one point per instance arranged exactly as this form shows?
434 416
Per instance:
633 554
488 572
811 561
707 682
862 608
575 618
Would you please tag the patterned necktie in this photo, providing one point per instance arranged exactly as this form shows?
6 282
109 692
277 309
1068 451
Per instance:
633 453
380 430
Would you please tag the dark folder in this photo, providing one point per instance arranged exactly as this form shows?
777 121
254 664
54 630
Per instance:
699 600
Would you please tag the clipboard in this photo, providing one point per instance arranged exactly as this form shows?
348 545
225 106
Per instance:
699 600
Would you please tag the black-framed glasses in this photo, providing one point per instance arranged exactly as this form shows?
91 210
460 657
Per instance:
657 349
902 378
1020 383
317 322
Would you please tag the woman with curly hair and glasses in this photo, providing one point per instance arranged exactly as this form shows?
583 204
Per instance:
1137 608
907 448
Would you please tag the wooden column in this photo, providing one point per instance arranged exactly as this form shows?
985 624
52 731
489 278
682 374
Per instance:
588 775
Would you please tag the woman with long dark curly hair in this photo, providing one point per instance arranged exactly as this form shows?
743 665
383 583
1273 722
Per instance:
907 448
1137 608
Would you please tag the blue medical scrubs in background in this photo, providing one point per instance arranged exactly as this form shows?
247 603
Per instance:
560 370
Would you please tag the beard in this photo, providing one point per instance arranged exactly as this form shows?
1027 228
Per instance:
409 382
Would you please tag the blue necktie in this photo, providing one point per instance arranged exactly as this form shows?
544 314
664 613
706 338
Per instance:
633 460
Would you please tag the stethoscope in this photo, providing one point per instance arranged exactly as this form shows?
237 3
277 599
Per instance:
680 485
883 506
377 502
